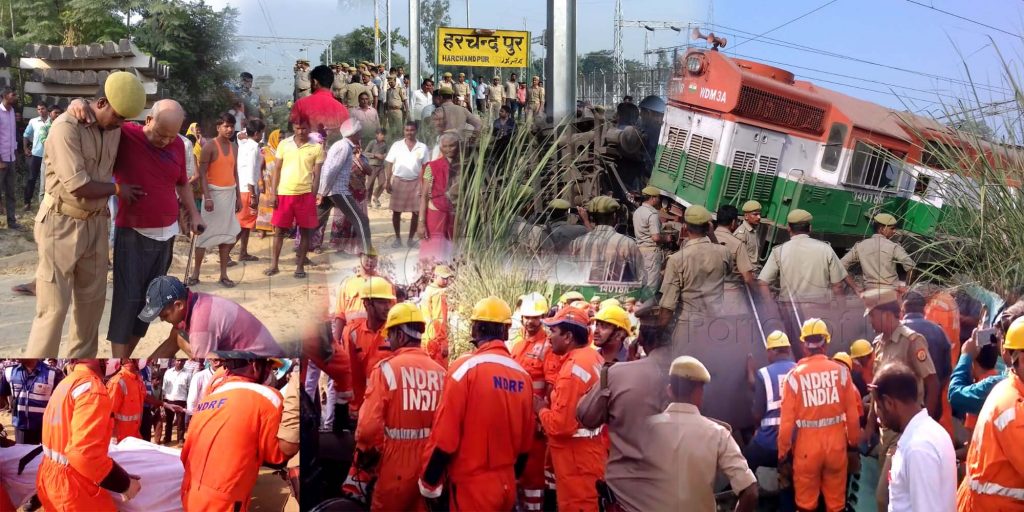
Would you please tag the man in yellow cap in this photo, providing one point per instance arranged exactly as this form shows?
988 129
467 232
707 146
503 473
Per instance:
763 449
689 449
611 328
73 224
896 342
434 306
446 80
879 255
694 283
808 272
558 232
647 230
609 255
303 85
748 232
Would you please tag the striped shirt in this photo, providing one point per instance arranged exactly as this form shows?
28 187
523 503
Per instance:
29 391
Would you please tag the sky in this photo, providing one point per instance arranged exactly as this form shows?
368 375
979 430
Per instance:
923 51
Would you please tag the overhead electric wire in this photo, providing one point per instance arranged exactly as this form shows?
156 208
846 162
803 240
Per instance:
802 16
969 20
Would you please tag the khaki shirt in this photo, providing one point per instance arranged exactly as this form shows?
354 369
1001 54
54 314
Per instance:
535 95
527 235
632 392
352 93
457 117
76 154
740 256
878 257
695 278
689 450
909 347
748 234
288 430
805 268
338 87
495 94
609 255
302 82
646 223
560 235
462 90
396 98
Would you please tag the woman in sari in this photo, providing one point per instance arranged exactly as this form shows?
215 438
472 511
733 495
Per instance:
265 212
436 209
195 135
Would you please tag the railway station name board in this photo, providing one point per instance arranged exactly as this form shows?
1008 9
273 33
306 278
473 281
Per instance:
483 48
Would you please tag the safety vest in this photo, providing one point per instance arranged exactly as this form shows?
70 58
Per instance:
30 394
772 375
993 480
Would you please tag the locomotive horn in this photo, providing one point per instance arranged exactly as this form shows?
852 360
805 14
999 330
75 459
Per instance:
715 42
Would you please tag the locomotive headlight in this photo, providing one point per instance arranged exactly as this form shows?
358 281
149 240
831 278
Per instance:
694 64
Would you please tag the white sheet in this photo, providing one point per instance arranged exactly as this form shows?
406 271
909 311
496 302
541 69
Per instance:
159 467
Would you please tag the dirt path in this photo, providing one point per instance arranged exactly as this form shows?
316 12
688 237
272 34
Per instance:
284 304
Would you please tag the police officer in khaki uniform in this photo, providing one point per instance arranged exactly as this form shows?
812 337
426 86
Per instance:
689 449
463 92
353 91
747 231
879 255
341 81
609 255
302 84
896 342
559 233
647 230
495 96
447 80
694 281
534 98
742 275
73 224
395 101
455 117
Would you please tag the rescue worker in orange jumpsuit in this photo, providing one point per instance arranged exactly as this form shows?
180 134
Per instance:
862 354
578 454
232 433
403 393
532 350
611 328
994 477
127 395
365 339
434 305
819 407
484 426
76 433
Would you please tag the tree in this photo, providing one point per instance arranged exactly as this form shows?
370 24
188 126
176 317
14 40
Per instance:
974 126
433 14
357 45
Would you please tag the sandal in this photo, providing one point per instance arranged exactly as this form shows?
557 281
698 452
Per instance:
300 274
192 281
227 283
24 289
248 257
232 263
271 272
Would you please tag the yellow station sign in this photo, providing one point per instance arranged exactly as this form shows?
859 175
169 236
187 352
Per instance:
483 48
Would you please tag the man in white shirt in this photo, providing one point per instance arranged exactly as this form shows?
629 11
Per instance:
923 472
481 93
176 380
421 98
198 383
250 168
404 162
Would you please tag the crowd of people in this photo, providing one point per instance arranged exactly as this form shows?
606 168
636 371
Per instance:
74 409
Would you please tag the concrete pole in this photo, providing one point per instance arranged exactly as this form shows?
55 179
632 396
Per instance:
560 65
387 34
467 15
414 44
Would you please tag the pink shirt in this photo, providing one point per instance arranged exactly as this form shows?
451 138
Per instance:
215 323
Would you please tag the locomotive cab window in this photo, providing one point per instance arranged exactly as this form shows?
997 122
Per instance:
874 167
834 146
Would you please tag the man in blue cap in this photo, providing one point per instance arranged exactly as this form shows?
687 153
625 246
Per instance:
203 323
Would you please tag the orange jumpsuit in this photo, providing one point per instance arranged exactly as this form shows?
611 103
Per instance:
6 505
578 454
401 397
819 405
943 310
366 349
485 438
349 298
994 478
127 393
76 434
233 431
434 305
534 354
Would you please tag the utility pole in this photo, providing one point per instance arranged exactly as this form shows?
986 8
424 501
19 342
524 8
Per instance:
467 15
414 43
387 35
560 86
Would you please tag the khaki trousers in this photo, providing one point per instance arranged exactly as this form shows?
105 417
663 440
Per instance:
72 274
652 267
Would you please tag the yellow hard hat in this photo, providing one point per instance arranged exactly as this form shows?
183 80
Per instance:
403 313
614 315
567 296
860 348
610 302
377 288
1014 339
844 358
776 339
443 271
814 326
492 309
534 304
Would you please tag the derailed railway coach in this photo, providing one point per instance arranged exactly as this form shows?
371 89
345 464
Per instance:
736 130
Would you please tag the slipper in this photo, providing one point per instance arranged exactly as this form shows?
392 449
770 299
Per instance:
271 272
192 281
227 283
23 289
248 257
232 263
397 243
300 274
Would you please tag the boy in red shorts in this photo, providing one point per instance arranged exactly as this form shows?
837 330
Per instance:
294 181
